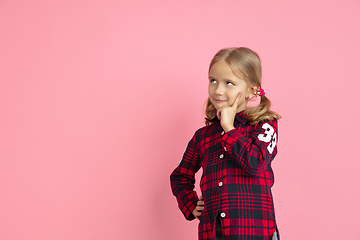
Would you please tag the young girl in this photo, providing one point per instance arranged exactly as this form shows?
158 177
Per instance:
235 150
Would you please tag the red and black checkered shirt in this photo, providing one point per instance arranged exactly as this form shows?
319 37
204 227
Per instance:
236 181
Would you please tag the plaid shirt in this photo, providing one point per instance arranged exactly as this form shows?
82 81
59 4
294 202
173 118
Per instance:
236 181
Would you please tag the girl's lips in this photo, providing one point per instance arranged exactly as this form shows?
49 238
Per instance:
217 100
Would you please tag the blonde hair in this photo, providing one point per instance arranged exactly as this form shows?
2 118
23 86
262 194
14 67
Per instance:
244 64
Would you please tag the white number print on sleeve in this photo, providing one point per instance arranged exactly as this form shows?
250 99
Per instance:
268 136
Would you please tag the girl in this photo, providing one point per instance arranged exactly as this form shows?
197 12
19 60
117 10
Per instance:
235 150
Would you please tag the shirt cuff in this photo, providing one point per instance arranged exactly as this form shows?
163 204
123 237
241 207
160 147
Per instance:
231 137
188 207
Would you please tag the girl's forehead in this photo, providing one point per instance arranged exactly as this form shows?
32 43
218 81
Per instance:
221 69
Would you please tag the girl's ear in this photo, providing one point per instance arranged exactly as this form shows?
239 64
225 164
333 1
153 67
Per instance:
252 90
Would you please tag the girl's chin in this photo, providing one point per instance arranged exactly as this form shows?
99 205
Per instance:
219 105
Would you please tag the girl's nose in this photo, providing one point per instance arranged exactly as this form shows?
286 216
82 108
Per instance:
219 90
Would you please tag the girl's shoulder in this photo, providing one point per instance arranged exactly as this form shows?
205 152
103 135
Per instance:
265 124
269 121
206 130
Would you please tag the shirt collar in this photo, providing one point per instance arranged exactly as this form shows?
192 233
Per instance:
238 117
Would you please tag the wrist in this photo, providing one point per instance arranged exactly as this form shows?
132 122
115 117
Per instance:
227 129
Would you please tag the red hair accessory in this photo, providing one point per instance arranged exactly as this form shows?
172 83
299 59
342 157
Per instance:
260 92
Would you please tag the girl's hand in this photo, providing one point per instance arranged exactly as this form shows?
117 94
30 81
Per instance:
199 208
227 115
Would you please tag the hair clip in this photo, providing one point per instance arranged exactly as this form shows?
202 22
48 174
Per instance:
260 92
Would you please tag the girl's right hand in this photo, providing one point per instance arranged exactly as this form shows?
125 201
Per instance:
199 208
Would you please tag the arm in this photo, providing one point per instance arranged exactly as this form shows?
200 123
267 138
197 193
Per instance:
183 179
255 152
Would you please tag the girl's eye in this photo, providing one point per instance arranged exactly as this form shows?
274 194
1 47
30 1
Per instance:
229 83
212 80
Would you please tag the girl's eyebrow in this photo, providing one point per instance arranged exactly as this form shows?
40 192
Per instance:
227 80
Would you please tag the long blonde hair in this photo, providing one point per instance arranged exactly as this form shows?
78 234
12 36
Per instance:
244 64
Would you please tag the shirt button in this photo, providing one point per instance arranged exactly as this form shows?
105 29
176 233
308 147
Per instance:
222 133
225 149
220 184
221 155
222 214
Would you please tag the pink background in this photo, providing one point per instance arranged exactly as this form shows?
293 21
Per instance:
98 100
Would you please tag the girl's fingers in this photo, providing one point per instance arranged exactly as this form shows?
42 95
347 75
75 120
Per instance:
197 213
199 208
237 99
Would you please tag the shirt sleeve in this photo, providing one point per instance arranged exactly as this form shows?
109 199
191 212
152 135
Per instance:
182 180
253 153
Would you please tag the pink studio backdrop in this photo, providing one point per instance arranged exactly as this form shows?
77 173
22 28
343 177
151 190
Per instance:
99 100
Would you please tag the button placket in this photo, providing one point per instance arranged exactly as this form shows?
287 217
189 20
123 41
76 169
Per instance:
221 183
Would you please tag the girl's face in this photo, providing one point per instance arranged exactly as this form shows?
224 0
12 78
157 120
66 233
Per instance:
224 86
